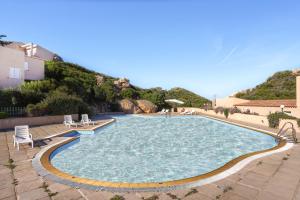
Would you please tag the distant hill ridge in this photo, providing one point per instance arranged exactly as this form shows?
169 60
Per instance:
281 85
191 99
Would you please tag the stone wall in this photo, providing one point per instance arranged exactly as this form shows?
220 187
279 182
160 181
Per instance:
252 119
10 123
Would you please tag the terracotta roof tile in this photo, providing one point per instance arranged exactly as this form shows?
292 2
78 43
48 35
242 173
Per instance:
291 103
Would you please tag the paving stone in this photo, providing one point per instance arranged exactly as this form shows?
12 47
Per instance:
133 196
255 180
57 187
179 193
245 191
297 194
281 189
233 196
266 169
45 198
197 196
23 166
67 195
268 196
33 194
10 198
99 195
7 192
6 181
5 171
26 176
210 190
28 186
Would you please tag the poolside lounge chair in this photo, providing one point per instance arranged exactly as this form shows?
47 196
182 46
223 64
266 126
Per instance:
69 121
22 135
85 120
184 112
188 112
193 112
163 111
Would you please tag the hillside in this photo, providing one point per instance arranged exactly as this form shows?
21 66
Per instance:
191 99
66 82
281 85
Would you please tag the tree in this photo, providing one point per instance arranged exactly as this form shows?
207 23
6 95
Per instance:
2 42
129 93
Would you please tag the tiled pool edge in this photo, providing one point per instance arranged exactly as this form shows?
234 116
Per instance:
43 166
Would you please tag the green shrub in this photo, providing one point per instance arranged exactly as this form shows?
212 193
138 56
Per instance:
61 104
226 112
129 93
274 118
114 107
3 115
234 110
219 110
58 104
156 96
39 109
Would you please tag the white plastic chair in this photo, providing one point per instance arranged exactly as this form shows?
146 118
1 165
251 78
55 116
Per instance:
69 121
193 112
163 111
85 120
22 135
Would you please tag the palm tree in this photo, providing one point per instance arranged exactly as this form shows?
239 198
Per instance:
2 42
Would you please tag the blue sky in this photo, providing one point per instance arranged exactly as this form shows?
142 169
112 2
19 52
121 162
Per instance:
209 47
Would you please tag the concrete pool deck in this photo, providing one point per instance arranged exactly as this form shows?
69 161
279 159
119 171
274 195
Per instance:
273 177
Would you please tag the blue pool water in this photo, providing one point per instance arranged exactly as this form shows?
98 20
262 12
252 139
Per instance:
155 148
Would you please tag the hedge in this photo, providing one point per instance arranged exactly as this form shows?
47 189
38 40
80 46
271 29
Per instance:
274 118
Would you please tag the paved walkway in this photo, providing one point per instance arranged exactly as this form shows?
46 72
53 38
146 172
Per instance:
276 177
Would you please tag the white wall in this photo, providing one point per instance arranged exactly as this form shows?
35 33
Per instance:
11 58
229 102
36 69
252 119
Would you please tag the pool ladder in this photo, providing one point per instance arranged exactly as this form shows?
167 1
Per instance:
288 132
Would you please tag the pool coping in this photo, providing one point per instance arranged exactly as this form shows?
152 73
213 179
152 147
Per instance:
42 164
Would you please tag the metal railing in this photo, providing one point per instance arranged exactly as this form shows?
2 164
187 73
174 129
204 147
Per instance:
14 111
283 132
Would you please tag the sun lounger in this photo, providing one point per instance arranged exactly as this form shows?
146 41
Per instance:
85 120
69 121
163 111
22 135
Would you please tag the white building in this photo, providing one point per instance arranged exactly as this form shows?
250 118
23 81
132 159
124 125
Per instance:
20 62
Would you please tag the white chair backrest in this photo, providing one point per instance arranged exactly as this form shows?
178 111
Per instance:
68 118
85 117
22 131
163 110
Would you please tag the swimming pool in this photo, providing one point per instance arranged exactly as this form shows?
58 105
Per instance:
143 149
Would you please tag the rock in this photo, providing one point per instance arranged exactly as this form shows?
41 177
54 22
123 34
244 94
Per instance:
122 83
129 107
146 106
99 80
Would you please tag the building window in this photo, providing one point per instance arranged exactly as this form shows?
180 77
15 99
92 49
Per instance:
26 67
28 52
14 73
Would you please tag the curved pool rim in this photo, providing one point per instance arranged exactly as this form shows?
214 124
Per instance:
45 161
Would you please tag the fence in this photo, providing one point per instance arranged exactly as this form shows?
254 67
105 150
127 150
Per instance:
14 111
